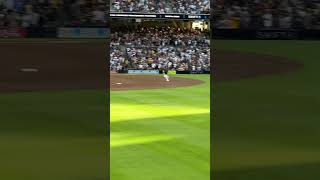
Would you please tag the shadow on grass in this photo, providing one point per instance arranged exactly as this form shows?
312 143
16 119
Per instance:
306 171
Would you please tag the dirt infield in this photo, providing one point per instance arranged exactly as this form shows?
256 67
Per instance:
125 82
232 65
65 66
59 66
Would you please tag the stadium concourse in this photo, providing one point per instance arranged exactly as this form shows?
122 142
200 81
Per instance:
156 47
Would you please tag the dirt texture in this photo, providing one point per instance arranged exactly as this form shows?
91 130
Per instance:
60 66
233 65
125 82
55 65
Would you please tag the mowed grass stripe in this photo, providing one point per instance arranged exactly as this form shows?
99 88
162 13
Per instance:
53 135
268 127
180 146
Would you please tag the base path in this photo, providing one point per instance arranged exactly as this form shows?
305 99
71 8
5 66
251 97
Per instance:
126 82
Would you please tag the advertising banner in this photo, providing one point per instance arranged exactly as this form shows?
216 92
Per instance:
276 34
159 16
12 33
143 71
80 32
265 33
172 72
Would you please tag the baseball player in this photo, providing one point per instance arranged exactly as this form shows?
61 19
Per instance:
165 75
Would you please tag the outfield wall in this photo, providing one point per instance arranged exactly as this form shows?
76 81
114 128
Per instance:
265 34
133 71
99 32
92 32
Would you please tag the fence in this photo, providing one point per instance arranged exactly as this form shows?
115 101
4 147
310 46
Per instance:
265 34
52 32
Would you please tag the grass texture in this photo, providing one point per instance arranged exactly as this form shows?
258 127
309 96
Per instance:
268 127
161 134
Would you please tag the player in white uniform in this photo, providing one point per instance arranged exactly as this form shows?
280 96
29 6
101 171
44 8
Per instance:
165 75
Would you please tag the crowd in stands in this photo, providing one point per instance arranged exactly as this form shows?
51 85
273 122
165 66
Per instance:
46 13
162 6
160 48
256 14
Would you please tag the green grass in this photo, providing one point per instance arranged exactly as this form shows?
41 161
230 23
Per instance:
161 134
53 135
265 128
268 128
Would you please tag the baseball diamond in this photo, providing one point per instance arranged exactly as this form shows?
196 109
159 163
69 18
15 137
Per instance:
158 121
75 71
159 90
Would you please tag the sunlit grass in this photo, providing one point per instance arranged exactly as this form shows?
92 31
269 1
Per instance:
131 112
161 133
119 139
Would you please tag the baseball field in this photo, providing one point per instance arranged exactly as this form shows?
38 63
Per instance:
265 122
53 110
161 133
268 127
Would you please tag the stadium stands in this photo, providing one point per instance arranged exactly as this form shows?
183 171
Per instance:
160 47
51 13
166 6
266 14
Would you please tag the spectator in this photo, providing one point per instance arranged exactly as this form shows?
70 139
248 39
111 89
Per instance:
160 47
300 14
156 6
52 13
99 15
285 21
267 19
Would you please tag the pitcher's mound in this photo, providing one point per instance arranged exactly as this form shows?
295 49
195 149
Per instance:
125 82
